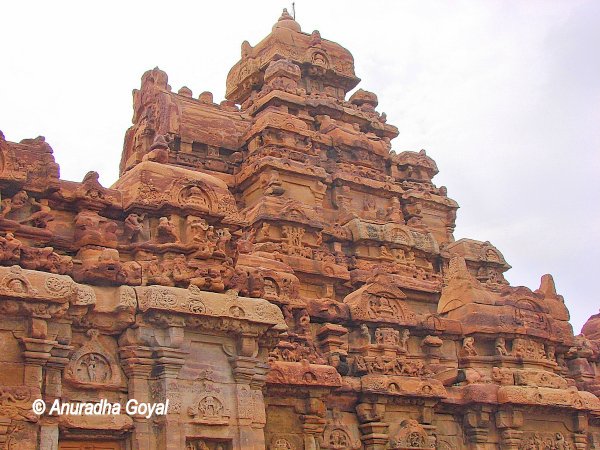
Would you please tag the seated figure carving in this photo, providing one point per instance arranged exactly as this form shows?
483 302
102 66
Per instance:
26 210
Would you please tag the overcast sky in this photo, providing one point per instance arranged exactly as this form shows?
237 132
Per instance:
505 96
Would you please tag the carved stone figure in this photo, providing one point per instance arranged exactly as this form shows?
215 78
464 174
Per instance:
93 229
26 210
468 346
365 333
10 249
166 231
135 228
403 343
501 347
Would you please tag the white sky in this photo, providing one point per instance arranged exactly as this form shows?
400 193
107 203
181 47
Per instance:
504 95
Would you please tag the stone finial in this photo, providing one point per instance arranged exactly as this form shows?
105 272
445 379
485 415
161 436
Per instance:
156 77
315 38
91 177
246 49
287 21
285 15
228 105
206 97
547 286
185 91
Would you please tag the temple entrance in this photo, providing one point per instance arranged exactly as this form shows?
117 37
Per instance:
90 445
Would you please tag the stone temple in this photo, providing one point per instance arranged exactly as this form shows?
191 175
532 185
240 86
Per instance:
283 278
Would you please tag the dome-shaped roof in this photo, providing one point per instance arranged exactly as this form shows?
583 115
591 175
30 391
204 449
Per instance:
287 21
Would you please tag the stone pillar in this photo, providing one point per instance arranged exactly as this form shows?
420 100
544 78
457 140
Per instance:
166 361
312 426
36 355
428 411
508 421
169 362
581 441
49 437
244 369
59 358
52 391
476 423
137 364
374 432
374 435
313 420
581 426
249 374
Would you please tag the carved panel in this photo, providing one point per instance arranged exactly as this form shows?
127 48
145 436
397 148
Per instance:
545 441
411 435
92 366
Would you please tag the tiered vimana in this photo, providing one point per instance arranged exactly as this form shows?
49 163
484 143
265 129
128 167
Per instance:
272 268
